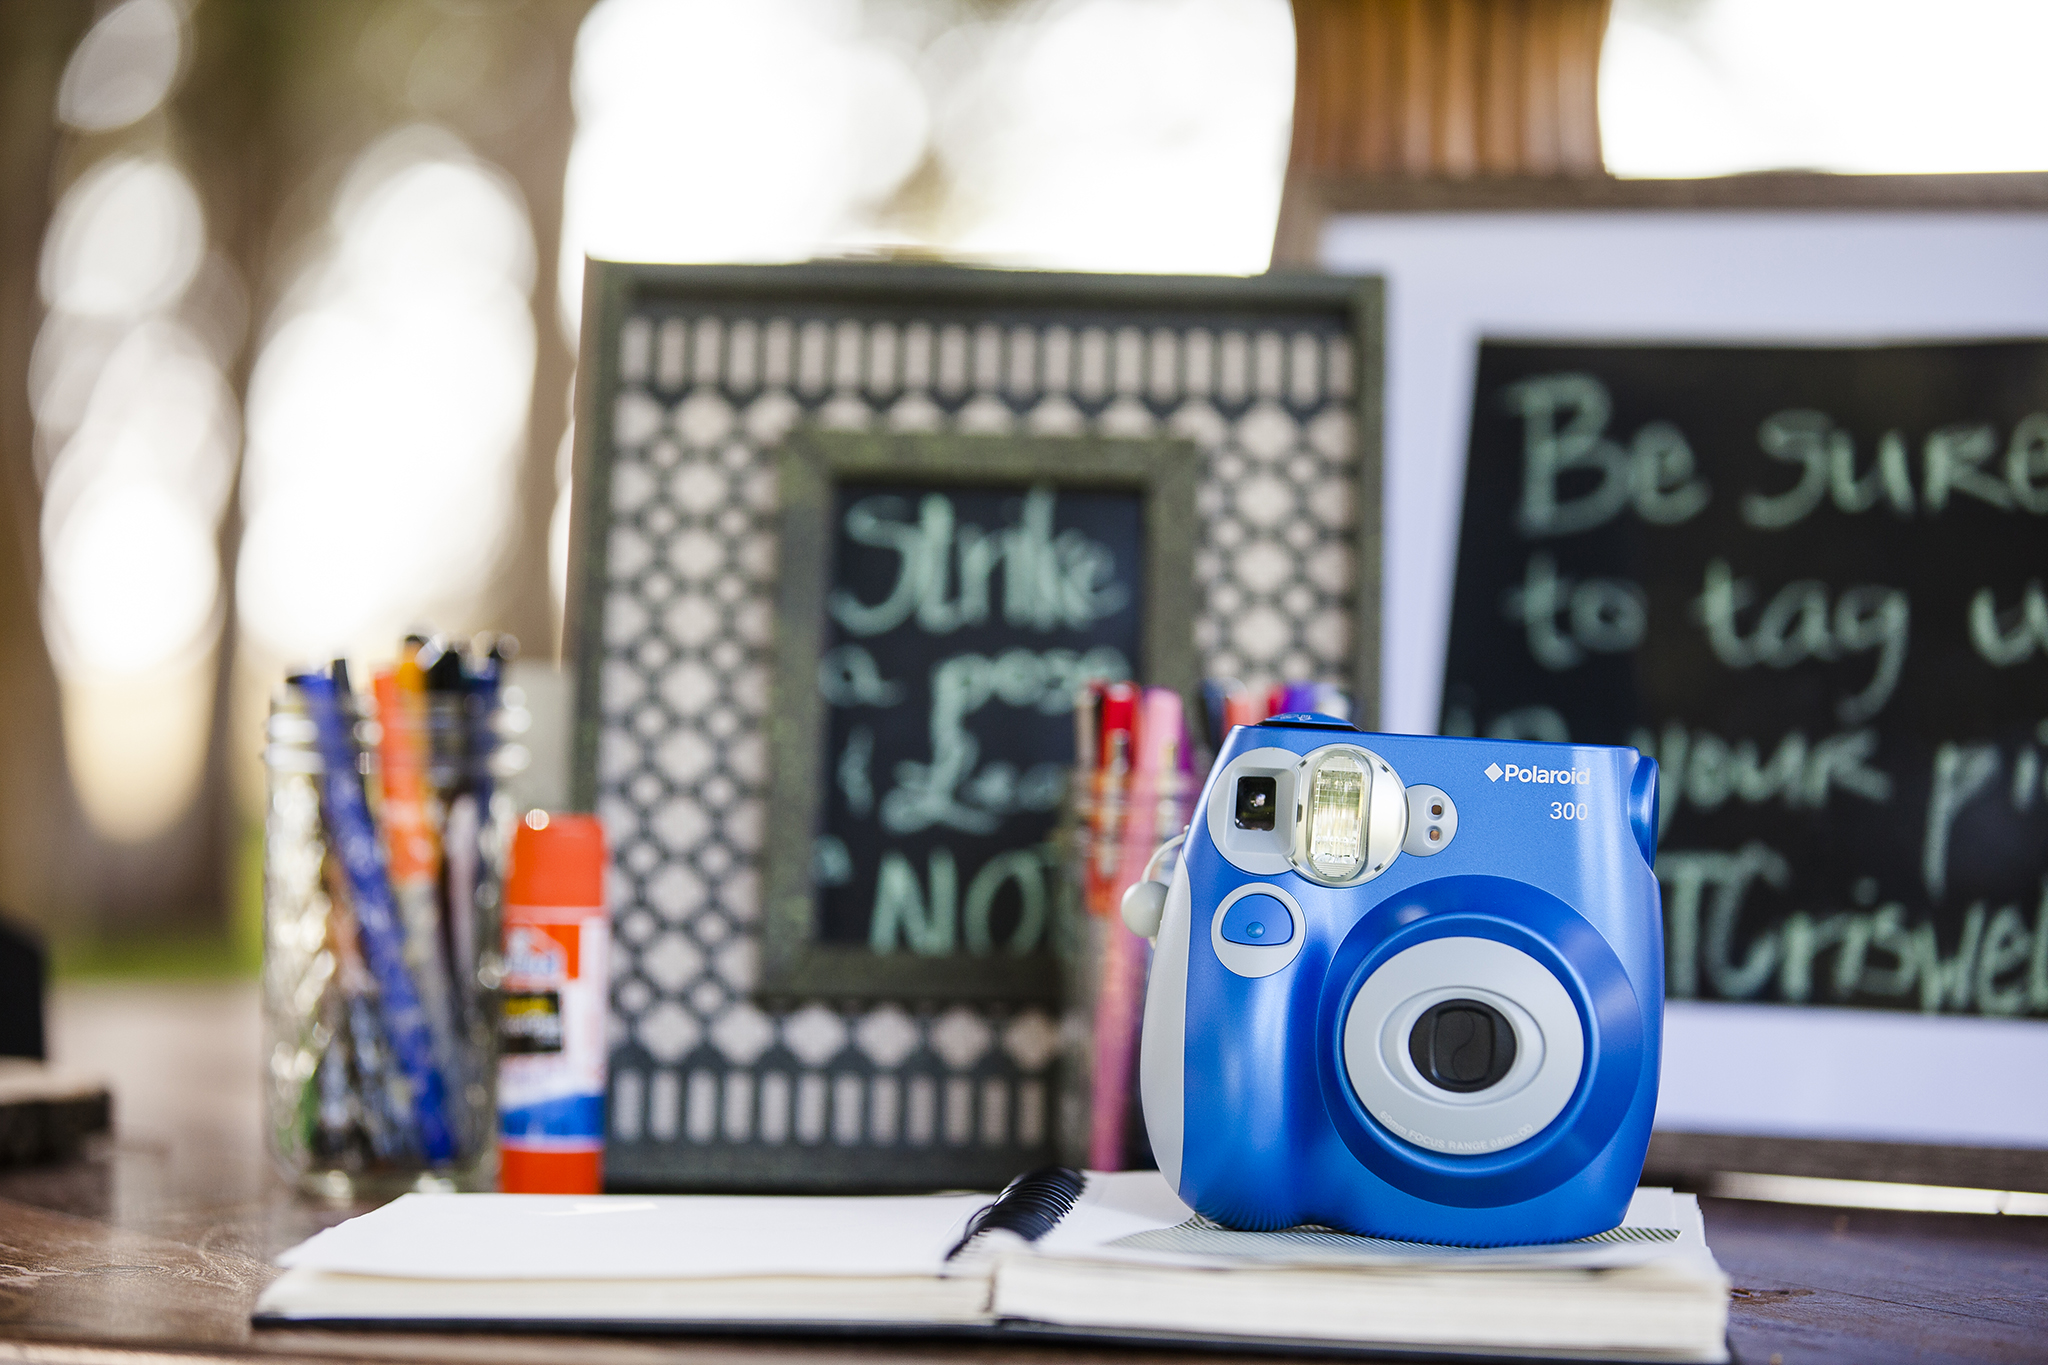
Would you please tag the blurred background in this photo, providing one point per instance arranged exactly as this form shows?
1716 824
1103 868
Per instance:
289 294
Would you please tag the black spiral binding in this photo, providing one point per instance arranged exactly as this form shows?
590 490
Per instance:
1030 1206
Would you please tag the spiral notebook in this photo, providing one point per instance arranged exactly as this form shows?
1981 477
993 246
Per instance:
1064 1254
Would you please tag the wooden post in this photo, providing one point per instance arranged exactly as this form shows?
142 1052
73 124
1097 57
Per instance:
42 847
1439 90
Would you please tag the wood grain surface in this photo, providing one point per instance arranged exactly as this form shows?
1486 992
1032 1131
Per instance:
1690 1160
153 1246
1877 1287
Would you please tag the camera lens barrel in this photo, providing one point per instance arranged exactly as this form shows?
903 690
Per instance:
1463 1046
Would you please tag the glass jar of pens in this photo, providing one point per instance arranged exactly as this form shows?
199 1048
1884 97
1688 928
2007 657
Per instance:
383 848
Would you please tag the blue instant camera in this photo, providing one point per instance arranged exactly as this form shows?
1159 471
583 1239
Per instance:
1407 986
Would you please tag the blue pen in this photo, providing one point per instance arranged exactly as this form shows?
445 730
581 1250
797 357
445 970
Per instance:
1299 696
354 839
463 885
483 683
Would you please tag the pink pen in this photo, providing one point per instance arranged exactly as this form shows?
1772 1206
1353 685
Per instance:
1151 814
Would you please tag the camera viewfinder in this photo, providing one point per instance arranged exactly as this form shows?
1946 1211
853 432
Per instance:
1257 800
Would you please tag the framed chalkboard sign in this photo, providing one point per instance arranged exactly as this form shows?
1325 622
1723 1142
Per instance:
1810 583
1183 474
941 600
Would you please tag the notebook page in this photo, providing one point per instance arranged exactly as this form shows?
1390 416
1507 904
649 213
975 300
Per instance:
1663 1299
1134 1216
570 1237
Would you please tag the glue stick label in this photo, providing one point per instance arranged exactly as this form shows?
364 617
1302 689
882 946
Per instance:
552 1029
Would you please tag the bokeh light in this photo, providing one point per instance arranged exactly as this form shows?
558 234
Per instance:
125 239
709 131
1715 87
387 409
123 67
131 569
1129 135
1134 135
132 412
136 434
1140 135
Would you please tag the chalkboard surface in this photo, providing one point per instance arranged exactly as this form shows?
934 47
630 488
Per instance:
943 599
1810 582
959 625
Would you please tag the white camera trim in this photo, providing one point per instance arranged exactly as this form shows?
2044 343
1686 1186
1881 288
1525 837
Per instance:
1550 1045
1421 797
1257 959
1262 853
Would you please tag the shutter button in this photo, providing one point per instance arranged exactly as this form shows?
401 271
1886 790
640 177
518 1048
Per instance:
1258 921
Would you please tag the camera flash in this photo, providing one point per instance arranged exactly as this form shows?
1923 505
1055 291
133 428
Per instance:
1336 817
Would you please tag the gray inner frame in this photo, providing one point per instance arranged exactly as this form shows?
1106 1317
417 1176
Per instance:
810 466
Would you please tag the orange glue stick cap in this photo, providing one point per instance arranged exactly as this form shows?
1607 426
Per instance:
557 859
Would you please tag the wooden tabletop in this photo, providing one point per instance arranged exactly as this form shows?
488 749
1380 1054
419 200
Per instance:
154 1245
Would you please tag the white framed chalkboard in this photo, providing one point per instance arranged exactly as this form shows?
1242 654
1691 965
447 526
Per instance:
1676 275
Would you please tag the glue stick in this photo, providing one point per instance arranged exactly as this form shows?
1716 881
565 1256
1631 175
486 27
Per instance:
552 1028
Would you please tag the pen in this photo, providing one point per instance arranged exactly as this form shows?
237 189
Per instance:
460 871
353 838
1241 708
1216 694
413 846
1149 816
379 1102
469 813
1087 733
446 686
1087 724
1297 697
1112 768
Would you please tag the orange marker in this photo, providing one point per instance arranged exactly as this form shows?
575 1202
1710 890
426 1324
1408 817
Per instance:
414 850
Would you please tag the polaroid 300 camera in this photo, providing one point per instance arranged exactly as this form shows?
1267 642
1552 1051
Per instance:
1407 986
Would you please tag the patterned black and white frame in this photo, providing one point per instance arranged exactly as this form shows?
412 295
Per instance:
691 379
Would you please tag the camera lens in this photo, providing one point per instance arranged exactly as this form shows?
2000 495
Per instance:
1462 1045
1256 799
